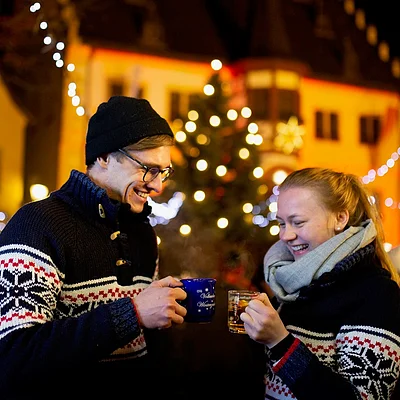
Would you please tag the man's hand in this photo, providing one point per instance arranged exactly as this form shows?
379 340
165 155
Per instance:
157 305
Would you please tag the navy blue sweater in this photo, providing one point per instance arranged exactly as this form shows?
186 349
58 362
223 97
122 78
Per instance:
344 340
66 325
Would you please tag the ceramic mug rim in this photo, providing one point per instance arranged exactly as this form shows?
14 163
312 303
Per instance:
198 280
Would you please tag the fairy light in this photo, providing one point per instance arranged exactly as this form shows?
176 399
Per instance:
244 153
274 230
199 195
216 65
246 112
34 7
247 208
232 115
209 90
190 126
258 172
222 223
215 120
202 139
252 138
253 127
193 115
257 139
383 51
38 191
185 230
202 165
58 59
382 171
221 170
180 136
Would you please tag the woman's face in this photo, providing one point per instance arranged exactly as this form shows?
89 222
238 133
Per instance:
304 221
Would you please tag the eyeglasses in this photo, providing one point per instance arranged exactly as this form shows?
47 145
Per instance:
151 172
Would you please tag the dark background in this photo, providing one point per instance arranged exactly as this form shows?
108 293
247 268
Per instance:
384 15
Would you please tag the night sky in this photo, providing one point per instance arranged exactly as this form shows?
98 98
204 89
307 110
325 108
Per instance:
385 17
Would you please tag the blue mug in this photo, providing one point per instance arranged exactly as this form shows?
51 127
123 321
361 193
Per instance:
200 300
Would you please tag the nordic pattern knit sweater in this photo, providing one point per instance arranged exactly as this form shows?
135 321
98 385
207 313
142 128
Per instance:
65 322
344 340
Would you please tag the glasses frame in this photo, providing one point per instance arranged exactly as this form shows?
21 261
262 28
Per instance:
168 171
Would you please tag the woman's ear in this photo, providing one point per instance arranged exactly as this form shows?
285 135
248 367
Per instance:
342 219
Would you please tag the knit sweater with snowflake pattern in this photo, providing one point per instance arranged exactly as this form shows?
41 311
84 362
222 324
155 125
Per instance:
344 340
66 324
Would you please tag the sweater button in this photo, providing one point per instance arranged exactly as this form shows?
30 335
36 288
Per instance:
114 235
101 211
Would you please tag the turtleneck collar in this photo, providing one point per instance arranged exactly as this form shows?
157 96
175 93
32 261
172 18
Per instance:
81 192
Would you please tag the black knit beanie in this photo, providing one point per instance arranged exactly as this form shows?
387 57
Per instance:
120 122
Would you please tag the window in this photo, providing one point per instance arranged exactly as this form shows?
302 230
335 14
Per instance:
288 104
116 88
259 102
326 125
181 103
174 106
334 126
138 18
137 92
194 101
370 129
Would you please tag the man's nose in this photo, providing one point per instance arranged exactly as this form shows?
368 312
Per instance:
156 184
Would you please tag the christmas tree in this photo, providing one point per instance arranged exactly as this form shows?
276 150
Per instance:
217 182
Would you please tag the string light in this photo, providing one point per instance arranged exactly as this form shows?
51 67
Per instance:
381 171
252 138
3 217
372 36
168 211
161 213
384 55
59 47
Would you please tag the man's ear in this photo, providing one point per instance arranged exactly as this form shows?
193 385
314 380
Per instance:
103 160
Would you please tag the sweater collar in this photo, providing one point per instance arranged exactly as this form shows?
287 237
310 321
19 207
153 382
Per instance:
287 276
80 191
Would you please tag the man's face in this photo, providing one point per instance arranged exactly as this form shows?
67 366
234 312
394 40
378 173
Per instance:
123 179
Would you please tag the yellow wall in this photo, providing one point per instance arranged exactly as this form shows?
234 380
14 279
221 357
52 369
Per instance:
159 76
95 68
12 140
347 154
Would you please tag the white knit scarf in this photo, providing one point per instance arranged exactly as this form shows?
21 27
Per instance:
286 277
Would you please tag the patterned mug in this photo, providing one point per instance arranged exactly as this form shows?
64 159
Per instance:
200 300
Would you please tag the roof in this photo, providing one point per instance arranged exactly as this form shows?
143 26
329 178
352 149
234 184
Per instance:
319 34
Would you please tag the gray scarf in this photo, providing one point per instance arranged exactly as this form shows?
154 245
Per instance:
286 277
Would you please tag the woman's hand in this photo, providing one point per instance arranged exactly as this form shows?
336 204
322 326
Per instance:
262 322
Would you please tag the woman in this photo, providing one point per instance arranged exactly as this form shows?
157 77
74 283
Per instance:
334 332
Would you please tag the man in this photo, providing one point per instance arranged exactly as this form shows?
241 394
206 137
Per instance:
79 294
